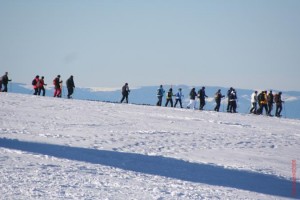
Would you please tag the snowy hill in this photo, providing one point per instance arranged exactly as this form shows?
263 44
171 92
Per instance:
147 95
54 148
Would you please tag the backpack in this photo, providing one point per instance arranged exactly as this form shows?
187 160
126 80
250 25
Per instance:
34 82
54 81
159 92
261 97
217 96
170 94
276 98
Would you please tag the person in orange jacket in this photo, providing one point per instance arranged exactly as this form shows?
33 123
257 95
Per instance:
263 102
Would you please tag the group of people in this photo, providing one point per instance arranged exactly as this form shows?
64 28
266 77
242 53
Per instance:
265 101
193 95
4 81
39 83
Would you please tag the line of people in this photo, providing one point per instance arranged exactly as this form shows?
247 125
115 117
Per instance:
265 102
39 86
193 95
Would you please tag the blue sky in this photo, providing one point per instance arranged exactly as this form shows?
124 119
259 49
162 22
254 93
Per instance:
245 44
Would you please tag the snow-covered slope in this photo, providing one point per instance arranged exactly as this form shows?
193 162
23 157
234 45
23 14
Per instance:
73 149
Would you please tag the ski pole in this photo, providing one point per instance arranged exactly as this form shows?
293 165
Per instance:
284 110
10 84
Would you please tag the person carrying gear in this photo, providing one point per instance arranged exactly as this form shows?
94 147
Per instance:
278 102
160 94
57 86
41 86
270 99
254 103
202 95
125 92
178 97
5 80
169 97
228 102
263 102
70 86
218 97
232 101
36 84
192 103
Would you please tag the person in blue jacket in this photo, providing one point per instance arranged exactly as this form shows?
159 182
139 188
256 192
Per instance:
160 94
178 97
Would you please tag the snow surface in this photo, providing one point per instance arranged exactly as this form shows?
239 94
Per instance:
54 148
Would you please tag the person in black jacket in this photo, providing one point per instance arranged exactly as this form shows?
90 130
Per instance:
270 98
232 101
70 86
125 92
5 80
193 95
202 95
278 103
218 97
228 100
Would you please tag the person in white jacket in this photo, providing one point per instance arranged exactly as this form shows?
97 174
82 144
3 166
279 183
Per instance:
253 102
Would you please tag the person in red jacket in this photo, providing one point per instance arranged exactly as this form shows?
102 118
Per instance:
35 83
41 86
57 86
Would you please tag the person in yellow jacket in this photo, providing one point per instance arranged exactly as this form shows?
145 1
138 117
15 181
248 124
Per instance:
263 102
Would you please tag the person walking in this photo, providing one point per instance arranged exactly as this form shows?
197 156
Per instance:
278 101
169 97
160 94
254 103
5 80
228 100
270 99
202 95
232 101
193 96
57 86
41 86
218 97
178 97
125 92
35 84
263 102
70 86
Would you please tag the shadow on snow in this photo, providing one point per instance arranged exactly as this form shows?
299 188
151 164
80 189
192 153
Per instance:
162 166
